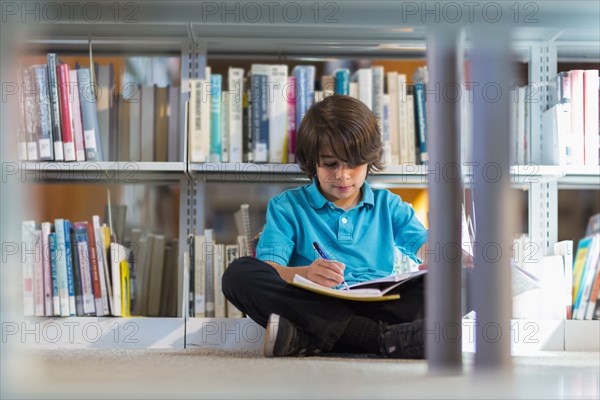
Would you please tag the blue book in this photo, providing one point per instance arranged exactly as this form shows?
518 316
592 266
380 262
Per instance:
69 260
216 82
53 273
342 81
421 121
89 116
305 93
61 267
44 118
84 268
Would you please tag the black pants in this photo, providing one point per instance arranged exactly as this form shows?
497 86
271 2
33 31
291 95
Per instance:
256 288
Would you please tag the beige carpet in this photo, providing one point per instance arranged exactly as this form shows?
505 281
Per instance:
209 373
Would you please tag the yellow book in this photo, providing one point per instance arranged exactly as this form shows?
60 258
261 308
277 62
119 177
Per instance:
125 289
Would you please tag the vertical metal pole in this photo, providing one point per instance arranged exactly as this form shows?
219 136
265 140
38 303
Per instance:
443 297
492 291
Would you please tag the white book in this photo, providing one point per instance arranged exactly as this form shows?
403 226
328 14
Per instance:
377 100
385 130
577 116
277 113
219 268
364 78
199 119
353 89
226 99
87 290
47 268
392 90
411 130
235 86
403 120
590 115
556 134
564 248
199 276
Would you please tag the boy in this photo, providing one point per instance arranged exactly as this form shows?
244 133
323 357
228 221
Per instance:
357 228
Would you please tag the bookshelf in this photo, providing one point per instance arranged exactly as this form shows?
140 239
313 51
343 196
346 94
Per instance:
339 30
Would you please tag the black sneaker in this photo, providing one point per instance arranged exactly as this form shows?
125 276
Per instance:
283 339
405 340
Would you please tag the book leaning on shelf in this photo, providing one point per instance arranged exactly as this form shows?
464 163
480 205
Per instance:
586 273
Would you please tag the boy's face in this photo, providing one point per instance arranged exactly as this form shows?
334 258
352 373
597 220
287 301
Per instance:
339 182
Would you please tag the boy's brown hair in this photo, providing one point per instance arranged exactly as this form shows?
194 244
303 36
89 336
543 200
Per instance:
346 127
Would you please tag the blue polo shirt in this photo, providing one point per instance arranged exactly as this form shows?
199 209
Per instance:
363 238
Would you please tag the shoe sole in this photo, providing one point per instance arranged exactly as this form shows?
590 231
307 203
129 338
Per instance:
271 335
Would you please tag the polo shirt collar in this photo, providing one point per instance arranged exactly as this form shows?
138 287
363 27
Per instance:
317 200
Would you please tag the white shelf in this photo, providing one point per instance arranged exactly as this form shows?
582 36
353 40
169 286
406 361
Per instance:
118 172
96 332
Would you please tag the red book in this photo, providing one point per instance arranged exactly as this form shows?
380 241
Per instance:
62 71
100 311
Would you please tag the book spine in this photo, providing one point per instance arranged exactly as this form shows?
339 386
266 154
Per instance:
590 123
199 276
173 129
216 81
191 266
44 119
125 289
89 116
94 265
38 274
47 268
77 279
30 114
219 268
378 101
61 262
342 81
105 287
225 127
76 114
115 258
577 116
85 269
365 86
291 118
55 106
66 114
421 120
197 126
300 75
277 109
69 259
236 132
54 271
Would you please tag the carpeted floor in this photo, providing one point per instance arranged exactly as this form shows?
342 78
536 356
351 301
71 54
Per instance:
210 373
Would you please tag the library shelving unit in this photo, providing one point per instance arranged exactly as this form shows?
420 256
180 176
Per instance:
295 31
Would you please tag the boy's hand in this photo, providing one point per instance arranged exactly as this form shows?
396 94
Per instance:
328 273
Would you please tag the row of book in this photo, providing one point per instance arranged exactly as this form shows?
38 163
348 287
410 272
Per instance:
569 282
206 262
254 117
570 124
77 114
78 269
59 113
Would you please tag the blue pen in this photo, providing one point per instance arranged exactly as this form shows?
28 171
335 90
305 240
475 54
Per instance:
325 257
